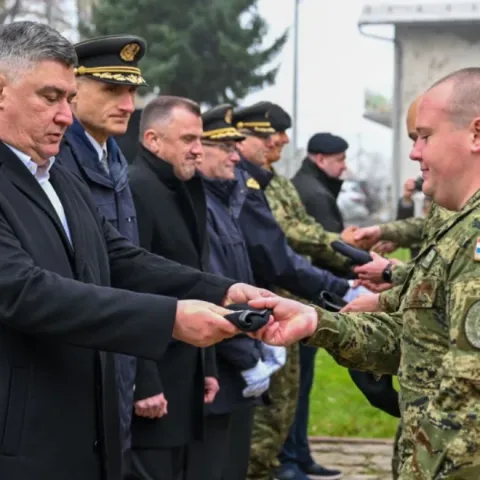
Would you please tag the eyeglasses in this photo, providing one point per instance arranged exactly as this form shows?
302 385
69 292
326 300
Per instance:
225 147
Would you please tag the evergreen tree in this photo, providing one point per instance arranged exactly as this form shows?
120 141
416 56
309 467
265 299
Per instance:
207 50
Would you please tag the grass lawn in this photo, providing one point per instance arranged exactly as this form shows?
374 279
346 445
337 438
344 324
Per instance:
402 254
338 408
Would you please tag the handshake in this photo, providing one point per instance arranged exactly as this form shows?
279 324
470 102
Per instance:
262 315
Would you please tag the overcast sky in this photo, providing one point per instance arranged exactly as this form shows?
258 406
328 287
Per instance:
336 65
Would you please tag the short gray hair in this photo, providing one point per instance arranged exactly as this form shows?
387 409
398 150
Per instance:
463 104
23 44
160 110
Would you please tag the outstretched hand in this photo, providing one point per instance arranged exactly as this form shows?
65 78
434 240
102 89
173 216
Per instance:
293 321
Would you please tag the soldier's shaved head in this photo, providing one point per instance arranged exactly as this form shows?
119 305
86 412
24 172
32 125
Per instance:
463 103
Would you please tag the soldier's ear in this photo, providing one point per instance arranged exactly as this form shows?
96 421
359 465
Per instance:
3 84
475 134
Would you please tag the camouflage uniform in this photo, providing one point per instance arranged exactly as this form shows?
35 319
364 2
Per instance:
272 423
434 343
390 300
406 233
304 234
403 233
410 231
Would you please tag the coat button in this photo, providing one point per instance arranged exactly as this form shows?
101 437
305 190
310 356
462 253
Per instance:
96 446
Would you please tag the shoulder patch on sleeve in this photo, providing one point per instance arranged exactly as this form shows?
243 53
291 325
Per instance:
472 325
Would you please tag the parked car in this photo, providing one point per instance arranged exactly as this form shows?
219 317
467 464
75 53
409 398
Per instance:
352 202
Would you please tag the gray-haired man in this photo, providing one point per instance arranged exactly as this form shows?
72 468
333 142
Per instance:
71 287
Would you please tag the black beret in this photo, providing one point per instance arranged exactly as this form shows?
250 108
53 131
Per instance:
112 59
254 119
279 118
217 124
326 143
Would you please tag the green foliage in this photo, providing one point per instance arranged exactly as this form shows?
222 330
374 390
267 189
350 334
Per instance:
207 50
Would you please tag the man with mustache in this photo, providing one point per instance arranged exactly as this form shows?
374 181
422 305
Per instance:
107 79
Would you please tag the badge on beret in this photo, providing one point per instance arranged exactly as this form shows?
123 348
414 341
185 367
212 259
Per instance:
252 183
129 52
476 253
228 116
472 325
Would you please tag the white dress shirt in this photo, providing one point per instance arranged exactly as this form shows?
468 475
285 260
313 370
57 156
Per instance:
42 175
101 150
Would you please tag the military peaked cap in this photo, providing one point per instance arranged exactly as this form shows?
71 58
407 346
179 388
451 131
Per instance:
112 59
217 124
254 119
279 118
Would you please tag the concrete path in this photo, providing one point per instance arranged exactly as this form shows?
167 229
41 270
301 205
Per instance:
359 459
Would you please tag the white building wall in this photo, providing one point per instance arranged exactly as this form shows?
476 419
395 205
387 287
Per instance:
427 54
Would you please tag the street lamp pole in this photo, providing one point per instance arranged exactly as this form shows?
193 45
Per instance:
295 85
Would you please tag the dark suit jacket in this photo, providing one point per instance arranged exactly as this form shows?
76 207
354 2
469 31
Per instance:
58 405
171 222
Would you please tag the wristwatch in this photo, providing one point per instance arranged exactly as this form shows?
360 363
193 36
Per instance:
387 273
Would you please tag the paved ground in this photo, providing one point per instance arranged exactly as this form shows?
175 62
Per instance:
359 459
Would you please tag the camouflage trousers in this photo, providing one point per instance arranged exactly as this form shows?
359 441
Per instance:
271 424
396 459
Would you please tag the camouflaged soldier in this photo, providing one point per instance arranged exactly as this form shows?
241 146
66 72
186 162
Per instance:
407 232
305 235
272 423
410 231
404 233
434 340
389 301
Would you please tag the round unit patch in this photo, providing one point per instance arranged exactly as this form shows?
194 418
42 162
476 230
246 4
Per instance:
472 325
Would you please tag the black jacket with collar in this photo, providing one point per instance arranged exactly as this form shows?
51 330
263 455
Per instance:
319 193
171 222
58 317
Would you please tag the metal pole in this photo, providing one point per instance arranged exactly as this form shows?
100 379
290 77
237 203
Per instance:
295 89
397 127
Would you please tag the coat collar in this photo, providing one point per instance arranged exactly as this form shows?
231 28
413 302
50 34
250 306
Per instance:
88 161
334 185
162 169
223 189
20 176
262 176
